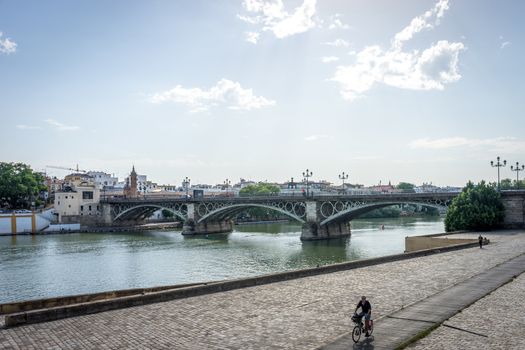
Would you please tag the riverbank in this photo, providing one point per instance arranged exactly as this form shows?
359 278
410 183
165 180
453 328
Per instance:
99 229
284 315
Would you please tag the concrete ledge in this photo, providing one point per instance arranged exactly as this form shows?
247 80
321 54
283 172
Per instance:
54 313
37 304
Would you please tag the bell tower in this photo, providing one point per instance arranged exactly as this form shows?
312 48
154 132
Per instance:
130 190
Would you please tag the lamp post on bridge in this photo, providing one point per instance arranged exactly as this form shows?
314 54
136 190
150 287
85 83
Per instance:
498 165
291 185
517 169
343 177
186 184
307 174
227 184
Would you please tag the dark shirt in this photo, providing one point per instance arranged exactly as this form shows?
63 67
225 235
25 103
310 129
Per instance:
365 307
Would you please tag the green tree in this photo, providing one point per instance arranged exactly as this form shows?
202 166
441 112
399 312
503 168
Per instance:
19 185
405 186
259 189
477 207
168 214
387 212
506 184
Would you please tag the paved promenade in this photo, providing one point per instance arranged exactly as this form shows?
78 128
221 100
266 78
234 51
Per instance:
494 322
398 328
298 314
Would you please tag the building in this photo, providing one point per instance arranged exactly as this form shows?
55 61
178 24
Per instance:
427 188
53 184
143 186
130 189
383 188
103 179
77 179
78 203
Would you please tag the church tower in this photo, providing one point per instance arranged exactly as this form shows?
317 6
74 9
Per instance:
130 190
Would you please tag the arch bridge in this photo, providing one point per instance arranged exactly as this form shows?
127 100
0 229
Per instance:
321 217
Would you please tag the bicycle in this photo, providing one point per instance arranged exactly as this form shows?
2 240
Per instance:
359 327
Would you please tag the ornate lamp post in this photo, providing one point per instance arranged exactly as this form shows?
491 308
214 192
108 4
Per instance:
517 169
186 184
343 177
227 184
307 174
498 165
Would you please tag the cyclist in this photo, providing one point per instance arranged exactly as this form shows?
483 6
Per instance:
366 311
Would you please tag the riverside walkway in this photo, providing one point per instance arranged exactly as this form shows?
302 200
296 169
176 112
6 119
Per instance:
304 313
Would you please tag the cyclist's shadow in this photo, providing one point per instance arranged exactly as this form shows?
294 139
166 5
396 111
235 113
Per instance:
367 344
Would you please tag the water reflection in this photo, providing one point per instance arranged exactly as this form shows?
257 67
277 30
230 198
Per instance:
44 266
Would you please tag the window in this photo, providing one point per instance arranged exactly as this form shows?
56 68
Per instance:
58 202
69 205
87 195
90 208
81 207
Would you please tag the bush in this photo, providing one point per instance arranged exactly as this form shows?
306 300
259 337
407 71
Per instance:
477 207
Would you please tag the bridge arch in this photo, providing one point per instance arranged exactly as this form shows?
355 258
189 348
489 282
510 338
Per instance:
354 212
227 212
144 210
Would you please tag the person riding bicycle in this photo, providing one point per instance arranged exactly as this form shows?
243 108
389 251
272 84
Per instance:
366 311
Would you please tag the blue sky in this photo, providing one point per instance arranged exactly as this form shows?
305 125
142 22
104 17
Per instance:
401 91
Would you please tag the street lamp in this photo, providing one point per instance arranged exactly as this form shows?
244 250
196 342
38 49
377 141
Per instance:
307 174
227 184
343 177
517 169
498 165
291 185
186 184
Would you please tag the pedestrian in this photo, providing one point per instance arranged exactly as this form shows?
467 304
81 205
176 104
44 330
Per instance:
480 241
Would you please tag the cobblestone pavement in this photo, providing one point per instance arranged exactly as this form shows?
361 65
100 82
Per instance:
498 318
298 314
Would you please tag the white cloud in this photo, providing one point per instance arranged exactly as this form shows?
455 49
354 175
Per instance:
251 37
499 144
315 137
271 15
337 43
428 69
60 126
426 21
336 23
225 92
6 45
328 59
27 127
505 44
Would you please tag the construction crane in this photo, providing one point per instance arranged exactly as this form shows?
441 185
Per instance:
66 168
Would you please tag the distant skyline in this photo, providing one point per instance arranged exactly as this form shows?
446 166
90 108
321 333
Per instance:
413 90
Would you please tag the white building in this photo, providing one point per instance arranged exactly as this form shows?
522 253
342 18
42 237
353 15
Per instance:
77 201
143 185
103 179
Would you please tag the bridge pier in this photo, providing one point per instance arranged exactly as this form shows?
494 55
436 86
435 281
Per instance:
192 228
312 231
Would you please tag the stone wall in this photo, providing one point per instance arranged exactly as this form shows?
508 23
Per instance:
514 202
416 243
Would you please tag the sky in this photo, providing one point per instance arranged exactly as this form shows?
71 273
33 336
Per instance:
409 90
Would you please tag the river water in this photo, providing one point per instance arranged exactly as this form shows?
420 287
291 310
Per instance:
43 266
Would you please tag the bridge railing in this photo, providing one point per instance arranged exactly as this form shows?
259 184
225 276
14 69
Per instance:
169 198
